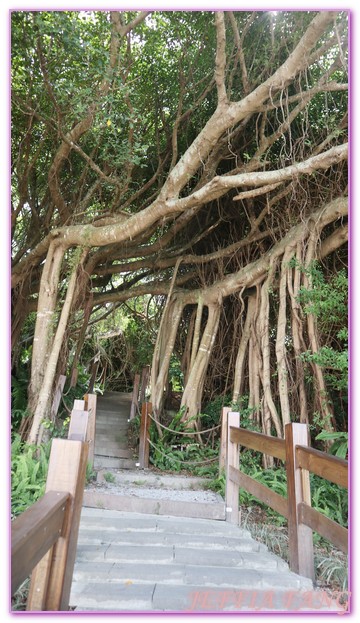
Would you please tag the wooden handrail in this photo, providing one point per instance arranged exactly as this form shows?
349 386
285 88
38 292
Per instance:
34 532
276 501
329 529
90 406
325 465
144 446
258 441
44 537
300 460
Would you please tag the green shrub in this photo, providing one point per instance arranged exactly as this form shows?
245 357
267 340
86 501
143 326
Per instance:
109 477
340 446
29 467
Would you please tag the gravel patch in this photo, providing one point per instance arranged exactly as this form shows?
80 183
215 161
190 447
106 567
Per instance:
181 495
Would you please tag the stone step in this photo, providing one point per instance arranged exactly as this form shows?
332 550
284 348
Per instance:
186 574
149 478
128 596
132 563
97 535
115 520
113 449
115 437
109 427
130 504
171 553
101 462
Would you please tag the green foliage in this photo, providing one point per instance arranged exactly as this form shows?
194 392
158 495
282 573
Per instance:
29 466
109 477
212 411
176 377
332 570
175 452
90 473
341 441
54 430
328 498
19 385
69 395
327 300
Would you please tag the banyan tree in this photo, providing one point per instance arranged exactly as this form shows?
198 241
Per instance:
197 157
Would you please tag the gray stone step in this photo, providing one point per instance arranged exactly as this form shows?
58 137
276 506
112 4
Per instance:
113 520
98 535
97 499
185 575
170 553
149 478
117 436
113 449
131 596
132 563
101 462
109 428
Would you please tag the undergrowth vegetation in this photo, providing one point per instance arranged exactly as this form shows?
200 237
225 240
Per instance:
29 466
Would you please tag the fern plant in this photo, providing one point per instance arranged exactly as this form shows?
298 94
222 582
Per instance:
29 466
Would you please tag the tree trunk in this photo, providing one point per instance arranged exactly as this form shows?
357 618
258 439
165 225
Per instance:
280 347
240 359
44 327
263 323
45 394
323 399
162 352
297 335
192 395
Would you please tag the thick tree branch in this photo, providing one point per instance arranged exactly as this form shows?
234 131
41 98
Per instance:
220 60
221 184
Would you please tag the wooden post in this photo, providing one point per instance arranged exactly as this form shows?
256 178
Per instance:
78 425
232 488
34 532
52 577
57 396
94 369
135 394
90 403
144 381
223 438
301 551
144 446
79 405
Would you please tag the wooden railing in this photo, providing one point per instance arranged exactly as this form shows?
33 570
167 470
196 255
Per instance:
139 389
300 460
44 537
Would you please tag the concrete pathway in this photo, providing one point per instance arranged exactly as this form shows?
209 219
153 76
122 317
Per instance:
111 443
121 486
130 562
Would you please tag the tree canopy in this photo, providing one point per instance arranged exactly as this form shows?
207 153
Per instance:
196 158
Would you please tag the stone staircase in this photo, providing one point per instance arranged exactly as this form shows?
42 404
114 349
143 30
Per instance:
111 443
130 562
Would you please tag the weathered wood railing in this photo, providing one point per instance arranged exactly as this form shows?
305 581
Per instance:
44 537
144 435
300 460
139 390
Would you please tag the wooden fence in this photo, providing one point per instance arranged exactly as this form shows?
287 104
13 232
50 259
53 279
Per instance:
44 537
300 459
139 390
